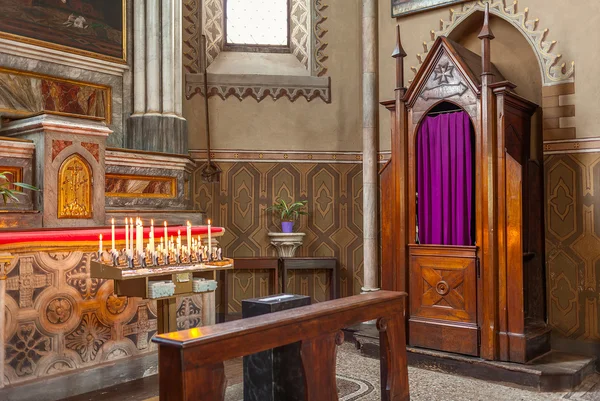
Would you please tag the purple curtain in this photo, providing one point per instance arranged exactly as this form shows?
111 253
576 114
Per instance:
445 180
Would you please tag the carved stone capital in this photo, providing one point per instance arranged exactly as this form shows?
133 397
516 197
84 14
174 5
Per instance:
286 243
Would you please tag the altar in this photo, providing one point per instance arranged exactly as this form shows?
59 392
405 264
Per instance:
64 311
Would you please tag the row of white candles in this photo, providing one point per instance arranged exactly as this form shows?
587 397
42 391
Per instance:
165 245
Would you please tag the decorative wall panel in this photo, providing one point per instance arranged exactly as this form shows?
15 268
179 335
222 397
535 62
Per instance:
573 244
141 186
333 227
59 319
25 93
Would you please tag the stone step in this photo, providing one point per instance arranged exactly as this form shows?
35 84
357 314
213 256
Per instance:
554 371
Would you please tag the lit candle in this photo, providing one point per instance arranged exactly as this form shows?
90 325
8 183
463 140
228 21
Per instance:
100 245
152 235
209 239
166 237
126 235
112 231
178 240
131 246
189 236
140 235
151 242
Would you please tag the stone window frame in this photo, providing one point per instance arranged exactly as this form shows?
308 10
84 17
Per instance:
307 47
256 48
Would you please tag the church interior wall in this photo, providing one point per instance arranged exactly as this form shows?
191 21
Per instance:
571 140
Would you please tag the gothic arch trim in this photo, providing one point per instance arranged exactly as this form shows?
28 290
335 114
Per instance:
553 70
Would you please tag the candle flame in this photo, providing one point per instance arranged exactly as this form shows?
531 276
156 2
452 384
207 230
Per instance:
165 223
209 222
100 236
189 224
113 220
151 222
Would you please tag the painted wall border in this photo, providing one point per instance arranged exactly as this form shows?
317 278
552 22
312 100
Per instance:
295 156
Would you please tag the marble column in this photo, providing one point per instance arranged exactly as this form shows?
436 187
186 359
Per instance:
370 107
139 57
178 58
157 123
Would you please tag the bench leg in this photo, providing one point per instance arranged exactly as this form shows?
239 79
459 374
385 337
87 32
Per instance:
394 368
319 360
199 383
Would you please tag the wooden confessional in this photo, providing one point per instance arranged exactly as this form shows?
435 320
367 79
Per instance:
485 299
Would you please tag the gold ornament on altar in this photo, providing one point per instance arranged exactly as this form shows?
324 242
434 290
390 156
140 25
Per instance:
75 189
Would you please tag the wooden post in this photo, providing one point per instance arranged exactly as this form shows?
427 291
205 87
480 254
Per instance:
167 315
488 246
400 171
318 360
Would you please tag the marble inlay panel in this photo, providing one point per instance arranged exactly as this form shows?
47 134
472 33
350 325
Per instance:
23 94
141 186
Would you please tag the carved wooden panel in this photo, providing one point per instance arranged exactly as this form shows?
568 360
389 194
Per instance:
75 189
443 283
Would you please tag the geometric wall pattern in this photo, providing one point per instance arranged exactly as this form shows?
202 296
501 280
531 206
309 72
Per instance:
333 226
59 319
573 244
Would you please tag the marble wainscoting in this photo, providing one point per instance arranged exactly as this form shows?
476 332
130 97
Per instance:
117 80
61 321
145 180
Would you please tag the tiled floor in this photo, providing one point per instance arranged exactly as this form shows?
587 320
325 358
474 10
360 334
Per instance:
358 380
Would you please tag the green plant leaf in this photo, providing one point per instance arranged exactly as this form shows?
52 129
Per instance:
26 186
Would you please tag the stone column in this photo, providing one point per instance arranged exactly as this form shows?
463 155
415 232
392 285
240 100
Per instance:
139 57
370 106
178 58
157 124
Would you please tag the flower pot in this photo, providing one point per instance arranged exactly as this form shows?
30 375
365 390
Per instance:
287 226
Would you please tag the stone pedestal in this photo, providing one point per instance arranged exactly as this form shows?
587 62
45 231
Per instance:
69 167
276 374
286 243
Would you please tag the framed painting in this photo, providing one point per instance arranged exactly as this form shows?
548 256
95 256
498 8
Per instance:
94 28
405 7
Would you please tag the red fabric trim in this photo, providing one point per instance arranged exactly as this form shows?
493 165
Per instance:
92 234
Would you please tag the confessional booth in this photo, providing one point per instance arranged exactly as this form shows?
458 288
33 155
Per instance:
462 208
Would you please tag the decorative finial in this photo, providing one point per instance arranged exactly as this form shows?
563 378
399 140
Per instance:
486 32
398 51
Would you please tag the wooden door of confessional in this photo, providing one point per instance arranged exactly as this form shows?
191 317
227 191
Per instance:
442 278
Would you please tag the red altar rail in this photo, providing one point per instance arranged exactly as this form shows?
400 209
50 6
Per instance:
57 237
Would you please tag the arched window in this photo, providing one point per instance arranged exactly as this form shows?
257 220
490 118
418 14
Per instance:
257 25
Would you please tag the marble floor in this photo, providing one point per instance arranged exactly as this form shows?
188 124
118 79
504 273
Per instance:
358 380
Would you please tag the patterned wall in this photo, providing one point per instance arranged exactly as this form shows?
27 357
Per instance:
333 227
573 243
59 319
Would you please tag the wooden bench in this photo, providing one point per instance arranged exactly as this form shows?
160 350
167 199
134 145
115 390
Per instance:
191 361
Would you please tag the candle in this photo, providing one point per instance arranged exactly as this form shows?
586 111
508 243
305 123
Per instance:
126 235
166 237
150 242
112 231
152 235
178 240
100 245
189 236
209 239
131 235
139 235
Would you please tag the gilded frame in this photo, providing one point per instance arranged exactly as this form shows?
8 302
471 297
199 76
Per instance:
86 190
73 50
401 8
171 180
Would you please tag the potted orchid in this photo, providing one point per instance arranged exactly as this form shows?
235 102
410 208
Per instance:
288 212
